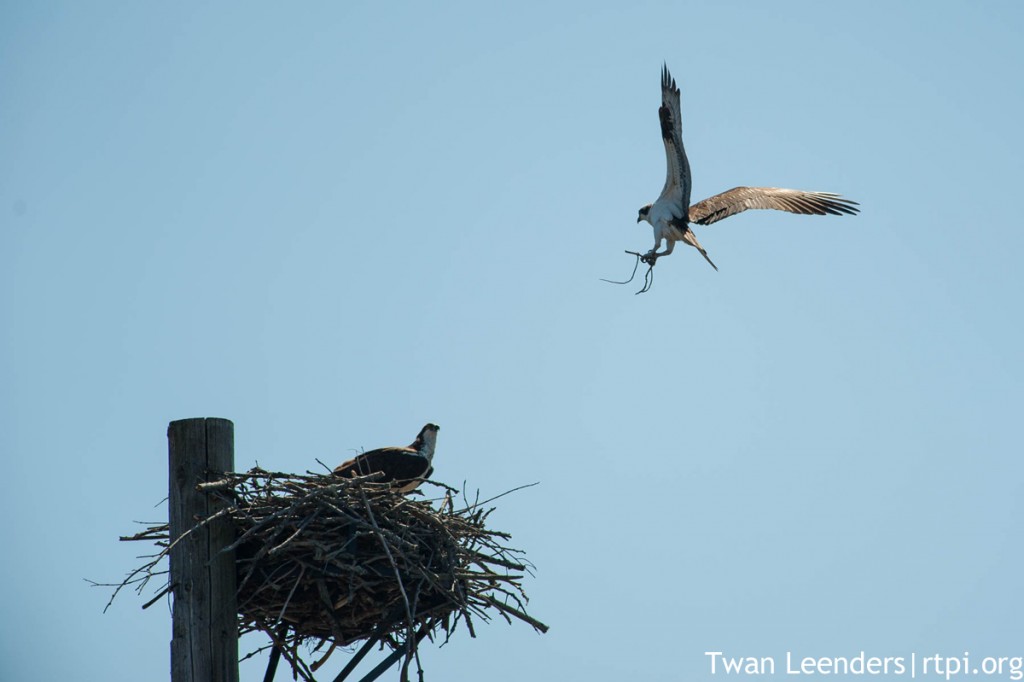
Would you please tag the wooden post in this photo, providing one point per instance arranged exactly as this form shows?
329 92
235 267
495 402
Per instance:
204 640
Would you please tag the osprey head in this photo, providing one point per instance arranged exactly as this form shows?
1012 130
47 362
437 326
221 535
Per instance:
644 213
426 441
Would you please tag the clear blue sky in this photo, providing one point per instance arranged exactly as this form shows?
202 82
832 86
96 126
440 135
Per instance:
333 223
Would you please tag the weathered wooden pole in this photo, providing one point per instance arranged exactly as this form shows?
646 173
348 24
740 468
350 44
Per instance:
204 639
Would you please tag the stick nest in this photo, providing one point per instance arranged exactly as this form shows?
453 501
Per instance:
342 560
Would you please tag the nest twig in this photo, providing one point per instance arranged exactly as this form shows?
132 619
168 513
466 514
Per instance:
649 259
326 560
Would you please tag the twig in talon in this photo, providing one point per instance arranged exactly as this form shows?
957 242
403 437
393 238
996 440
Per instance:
648 278
637 265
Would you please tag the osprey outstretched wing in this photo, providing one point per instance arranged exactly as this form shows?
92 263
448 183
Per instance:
739 199
676 192
671 215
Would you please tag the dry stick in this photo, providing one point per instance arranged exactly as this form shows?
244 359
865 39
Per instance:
395 655
483 558
131 579
509 595
648 280
477 503
648 276
259 525
147 568
513 612
295 662
488 576
612 281
157 597
302 527
302 571
275 654
398 574
156 531
215 485
415 649
328 604
378 632
398 540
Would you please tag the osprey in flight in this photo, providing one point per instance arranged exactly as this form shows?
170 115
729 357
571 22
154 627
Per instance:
672 214
406 467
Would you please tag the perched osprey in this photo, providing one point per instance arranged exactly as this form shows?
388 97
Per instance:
672 214
406 466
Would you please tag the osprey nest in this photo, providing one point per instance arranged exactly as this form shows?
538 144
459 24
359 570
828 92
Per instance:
323 560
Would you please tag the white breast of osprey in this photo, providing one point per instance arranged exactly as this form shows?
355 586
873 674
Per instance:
660 218
430 441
